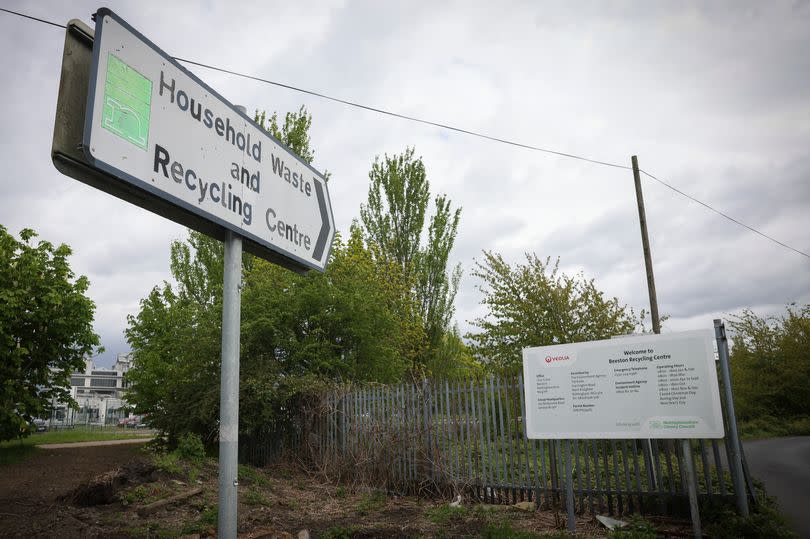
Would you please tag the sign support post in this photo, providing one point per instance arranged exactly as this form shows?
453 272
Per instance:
229 388
735 462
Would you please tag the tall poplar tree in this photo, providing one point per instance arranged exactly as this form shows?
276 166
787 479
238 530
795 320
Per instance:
393 220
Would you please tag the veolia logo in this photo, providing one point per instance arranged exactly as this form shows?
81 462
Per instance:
550 359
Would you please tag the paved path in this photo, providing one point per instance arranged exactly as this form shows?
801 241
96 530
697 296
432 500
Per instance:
783 465
96 443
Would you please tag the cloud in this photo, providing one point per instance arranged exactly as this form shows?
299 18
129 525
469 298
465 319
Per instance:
713 98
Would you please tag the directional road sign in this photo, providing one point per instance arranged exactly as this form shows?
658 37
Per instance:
156 126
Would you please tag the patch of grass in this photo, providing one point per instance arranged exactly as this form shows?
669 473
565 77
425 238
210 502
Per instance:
252 476
133 495
168 462
338 532
371 502
254 497
340 493
207 521
444 514
723 522
771 427
637 528
78 434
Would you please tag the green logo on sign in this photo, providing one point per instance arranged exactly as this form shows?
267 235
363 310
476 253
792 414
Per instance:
127 100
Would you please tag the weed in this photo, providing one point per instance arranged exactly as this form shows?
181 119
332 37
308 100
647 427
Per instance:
637 528
190 447
443 514
252 476
340 493
371 502
168 462
135 494
724 522
254 497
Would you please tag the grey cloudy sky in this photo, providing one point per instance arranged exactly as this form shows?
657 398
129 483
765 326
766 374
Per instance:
714 98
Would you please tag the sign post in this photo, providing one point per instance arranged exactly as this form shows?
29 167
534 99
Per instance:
134 123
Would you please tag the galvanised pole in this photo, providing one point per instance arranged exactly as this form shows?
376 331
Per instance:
735 466
229 388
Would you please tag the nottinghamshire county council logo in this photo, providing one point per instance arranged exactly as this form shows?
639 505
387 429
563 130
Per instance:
127 102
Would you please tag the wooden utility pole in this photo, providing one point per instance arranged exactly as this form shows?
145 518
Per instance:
645 242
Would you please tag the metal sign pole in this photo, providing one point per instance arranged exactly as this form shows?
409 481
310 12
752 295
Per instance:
735 465
229 388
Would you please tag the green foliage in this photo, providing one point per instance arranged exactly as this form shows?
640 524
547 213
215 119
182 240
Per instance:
46 328
534 304
190 447
637 528
723 522
373 501
770 364
254 497
251 475
168 462
299 332
393 221
768 426
444 514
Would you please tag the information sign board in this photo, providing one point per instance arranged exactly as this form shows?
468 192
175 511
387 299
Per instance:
153 124
656 386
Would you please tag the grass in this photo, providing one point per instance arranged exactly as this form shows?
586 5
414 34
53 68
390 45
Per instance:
252 476
371 502
254 497
771 427
12 451
444 514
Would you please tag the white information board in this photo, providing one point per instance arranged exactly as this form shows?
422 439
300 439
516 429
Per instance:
656 386
153 124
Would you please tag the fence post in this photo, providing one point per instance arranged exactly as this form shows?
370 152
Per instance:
735 463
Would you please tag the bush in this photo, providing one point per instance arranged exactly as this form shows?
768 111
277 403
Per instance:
190 447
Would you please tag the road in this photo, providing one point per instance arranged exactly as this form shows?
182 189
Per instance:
783 465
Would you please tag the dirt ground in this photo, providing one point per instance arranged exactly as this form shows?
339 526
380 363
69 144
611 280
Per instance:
47 495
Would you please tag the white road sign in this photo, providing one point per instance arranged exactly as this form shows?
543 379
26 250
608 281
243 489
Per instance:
656 386
154 124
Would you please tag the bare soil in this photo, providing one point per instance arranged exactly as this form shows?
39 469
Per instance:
97 491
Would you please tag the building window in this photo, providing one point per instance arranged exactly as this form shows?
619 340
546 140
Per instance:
77 381
103 382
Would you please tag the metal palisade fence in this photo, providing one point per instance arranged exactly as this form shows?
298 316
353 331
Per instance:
468 437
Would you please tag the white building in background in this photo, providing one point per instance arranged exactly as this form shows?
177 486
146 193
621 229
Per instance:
99 392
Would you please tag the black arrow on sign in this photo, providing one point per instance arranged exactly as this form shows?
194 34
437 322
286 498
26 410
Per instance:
317 253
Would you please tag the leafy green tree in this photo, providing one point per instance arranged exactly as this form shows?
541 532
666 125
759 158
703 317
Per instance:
298 331
46 326
393 220
534 304
770 363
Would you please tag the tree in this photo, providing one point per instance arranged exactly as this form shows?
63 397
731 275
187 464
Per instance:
393 220
298 331
770 363
534 304
46 325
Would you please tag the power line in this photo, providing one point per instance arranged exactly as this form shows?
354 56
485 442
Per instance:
718 212
33 18
452 128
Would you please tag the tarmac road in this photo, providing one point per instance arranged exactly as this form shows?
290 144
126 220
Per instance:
783 465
